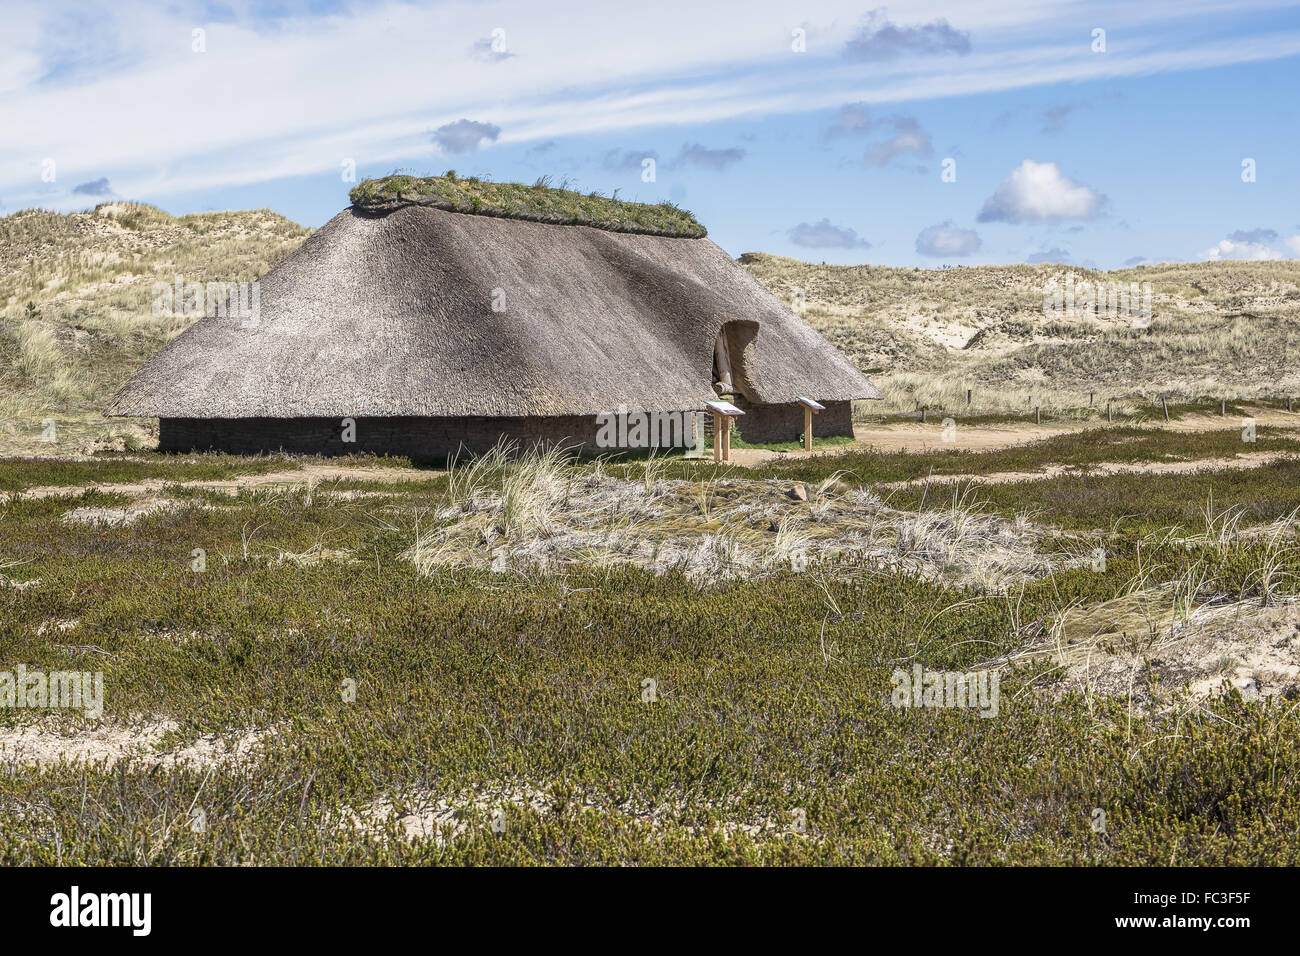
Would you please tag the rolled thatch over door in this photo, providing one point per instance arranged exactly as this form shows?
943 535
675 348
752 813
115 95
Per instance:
731 353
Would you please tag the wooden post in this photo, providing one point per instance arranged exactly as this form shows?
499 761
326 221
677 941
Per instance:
717 436
726 438
1109 417
923 411
1288 403
1090 394
807 428
1038 415
968 398
1165 407
1223 406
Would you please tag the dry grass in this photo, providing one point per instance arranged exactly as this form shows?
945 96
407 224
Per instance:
1223 329
76 308
539 511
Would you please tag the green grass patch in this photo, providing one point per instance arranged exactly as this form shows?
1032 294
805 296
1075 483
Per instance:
538 203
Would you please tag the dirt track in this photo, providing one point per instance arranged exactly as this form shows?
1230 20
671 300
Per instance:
915 437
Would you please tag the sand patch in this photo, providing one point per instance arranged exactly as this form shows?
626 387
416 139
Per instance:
47 743
1238 463
427 815
297 480
112 517
20 585
1144 648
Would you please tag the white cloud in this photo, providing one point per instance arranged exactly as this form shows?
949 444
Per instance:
1229 249
1253 244
946 239
1040 192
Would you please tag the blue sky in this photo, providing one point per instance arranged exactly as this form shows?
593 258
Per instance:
820 130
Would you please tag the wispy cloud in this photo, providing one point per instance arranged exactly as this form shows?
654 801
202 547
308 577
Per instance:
879 39
826 235
627 160
382 75
1254 235
464 136
718 160
853 119
1054 117
96 187
909 138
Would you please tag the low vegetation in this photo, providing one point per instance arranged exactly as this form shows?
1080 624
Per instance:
539 202
322 690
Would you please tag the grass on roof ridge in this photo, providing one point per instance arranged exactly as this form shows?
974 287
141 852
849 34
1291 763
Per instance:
539 202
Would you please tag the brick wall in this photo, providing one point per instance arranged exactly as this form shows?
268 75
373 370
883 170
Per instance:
772 423
432 439
420 438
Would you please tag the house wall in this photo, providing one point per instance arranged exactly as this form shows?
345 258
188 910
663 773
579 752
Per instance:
415 437
772 423
432 439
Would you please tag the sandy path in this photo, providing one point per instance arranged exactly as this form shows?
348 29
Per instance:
915 437
911 437
307 475
1240 462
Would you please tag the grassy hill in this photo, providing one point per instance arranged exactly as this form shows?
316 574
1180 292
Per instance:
1217 329
76 293
76 316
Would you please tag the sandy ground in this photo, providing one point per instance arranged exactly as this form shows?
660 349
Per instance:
1252 649
112 741
428 815
299 478
1239 462
915 437
911 437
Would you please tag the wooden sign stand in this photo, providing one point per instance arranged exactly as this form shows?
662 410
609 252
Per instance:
723 413
810 408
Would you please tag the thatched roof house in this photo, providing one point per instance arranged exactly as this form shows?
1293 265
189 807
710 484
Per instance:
440 312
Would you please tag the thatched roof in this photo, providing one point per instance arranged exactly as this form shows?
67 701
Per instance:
382 314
